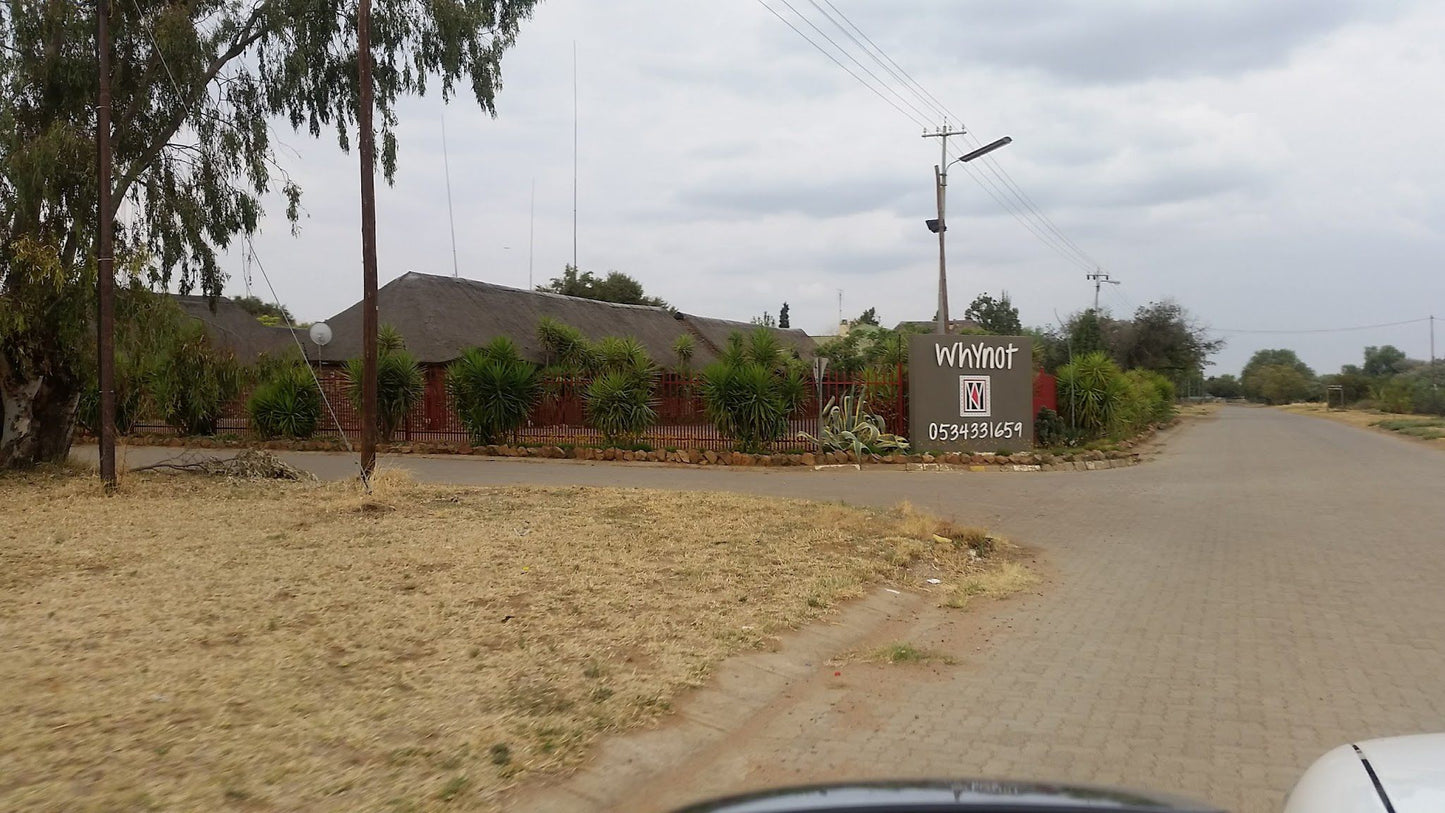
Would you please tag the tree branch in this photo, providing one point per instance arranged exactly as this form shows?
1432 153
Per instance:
249 33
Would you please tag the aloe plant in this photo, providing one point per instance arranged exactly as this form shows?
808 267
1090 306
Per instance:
849 426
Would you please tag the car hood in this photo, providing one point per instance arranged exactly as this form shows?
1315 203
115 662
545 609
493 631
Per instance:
1411 770
1408 771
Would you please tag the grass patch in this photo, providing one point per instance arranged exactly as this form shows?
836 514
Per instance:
904 652
998 582
1424 428
314 647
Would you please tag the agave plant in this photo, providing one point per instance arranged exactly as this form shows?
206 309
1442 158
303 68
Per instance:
849 426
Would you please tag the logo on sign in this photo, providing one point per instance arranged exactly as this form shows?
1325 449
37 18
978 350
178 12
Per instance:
974 397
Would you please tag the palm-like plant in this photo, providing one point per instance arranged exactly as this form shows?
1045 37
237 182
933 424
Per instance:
744 402
1094 391
619 406
494 389
619 401
400 383
287 404
684 347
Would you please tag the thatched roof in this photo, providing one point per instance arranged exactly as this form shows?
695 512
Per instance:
440 317
715 332
232 328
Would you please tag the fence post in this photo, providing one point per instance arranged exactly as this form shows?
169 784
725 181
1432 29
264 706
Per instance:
901 401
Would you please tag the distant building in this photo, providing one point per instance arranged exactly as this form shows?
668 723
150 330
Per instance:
954 326
441 316
232 328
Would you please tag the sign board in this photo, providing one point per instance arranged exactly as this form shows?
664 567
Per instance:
970 393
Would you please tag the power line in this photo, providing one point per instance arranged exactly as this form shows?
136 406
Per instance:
852 58
879 62
1325 329
1028 207
824 52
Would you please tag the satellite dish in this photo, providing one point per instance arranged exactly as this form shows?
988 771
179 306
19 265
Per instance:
321 334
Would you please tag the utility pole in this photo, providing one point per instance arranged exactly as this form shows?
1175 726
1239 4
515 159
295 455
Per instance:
451 218
574 153
368 242
1434 375
105 253
940 185
940 226
531 233
1100 277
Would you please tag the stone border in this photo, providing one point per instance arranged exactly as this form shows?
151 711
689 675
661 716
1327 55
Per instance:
1082 460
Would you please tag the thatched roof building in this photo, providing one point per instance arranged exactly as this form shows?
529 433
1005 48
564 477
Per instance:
442 316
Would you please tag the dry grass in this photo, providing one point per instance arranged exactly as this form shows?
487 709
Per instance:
1000 581
195 643
1375 420
1198 410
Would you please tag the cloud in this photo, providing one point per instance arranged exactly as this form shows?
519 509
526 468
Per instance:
1266 164
1089 41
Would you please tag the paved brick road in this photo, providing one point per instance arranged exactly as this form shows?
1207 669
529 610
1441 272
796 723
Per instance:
1271 586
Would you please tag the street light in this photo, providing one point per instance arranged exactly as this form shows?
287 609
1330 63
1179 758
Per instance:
939 226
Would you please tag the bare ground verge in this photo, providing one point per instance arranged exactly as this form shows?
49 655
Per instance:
195 642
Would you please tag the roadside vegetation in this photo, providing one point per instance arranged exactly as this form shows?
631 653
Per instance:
301 645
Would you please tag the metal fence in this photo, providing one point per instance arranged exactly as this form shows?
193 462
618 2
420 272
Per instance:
558 417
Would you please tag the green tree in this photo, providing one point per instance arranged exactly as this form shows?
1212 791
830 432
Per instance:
868 317
1383 362
996 316
766 320
1086 334
1163 337
615 287
1278 376
1223 386
783 317
268 313
194 89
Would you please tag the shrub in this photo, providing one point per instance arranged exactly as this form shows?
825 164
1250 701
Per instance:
494 389
1049 429
1093 391
744 402
618 405
752 390
1394 395
400 383
565 347
1148 399
619 401
287 404
194 384
129 398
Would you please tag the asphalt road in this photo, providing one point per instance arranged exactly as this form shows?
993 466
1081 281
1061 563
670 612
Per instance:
1270 586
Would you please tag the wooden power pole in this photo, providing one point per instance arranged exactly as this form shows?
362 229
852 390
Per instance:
368 242
105 253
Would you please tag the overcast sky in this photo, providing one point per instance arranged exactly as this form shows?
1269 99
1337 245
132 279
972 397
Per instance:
1270 165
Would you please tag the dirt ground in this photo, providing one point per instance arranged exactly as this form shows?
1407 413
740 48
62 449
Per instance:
195 642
